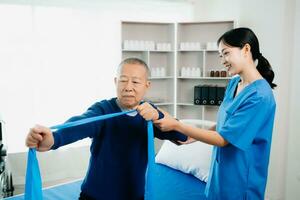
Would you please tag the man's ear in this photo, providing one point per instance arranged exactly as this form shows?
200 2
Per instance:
115 80
148 84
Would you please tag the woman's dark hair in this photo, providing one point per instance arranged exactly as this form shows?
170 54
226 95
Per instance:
239 37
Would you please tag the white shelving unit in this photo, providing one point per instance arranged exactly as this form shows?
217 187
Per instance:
158 43
203 54
174 46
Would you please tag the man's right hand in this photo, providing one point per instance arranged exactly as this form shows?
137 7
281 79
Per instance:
40 137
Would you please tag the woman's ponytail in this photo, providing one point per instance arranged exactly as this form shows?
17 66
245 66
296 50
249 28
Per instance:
265 70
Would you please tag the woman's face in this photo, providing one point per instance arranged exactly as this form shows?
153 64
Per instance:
232 58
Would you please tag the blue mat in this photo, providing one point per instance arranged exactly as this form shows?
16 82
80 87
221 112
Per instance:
68 191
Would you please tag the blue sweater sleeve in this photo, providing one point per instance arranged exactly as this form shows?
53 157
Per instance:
169 135
72 134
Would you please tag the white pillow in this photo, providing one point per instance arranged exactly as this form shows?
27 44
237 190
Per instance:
191 158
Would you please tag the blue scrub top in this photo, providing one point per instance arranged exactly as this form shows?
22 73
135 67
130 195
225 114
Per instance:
239 170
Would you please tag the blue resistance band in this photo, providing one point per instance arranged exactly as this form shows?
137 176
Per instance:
33 184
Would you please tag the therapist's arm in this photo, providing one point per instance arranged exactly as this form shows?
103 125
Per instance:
212 137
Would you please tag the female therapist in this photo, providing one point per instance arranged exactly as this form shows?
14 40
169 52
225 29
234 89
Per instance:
243 133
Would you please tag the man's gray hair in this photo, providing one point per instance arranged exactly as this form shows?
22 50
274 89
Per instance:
134 61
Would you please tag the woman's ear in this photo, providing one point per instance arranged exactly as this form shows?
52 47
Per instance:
247 49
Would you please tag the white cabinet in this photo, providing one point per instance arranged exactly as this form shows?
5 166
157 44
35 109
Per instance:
180 56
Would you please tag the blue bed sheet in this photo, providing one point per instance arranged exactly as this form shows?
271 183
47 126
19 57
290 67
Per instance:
176 185
169 184
68 191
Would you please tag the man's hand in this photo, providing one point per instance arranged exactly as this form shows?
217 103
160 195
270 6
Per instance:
147 111
40 137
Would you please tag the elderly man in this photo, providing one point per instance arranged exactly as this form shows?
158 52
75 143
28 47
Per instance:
119 145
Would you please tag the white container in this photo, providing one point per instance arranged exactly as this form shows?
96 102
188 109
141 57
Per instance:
169 47
152 45
142 45
163 71
183 72
125 44
198 72
182 46
193 72
188 72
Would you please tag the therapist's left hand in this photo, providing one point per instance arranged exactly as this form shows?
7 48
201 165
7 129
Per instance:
147 111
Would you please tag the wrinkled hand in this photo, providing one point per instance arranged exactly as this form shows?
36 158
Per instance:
148 112
40 137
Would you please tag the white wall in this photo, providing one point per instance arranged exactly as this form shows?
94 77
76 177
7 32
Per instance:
293 164
59 56
272 21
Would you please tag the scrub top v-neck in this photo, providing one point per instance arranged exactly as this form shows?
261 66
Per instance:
239 170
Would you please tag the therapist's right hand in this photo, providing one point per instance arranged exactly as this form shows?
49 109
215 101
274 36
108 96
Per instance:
40 137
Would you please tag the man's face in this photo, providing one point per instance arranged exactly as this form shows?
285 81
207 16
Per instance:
131 84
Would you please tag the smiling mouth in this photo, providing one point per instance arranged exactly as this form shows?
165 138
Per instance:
228 67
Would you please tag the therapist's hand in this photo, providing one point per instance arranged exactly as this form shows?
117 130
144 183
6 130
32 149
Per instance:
147 111
168 123
40 137
188 141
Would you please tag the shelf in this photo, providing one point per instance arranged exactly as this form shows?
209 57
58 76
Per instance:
159 78
186 104
139 50
191 104
164 104
199 50
212 50
205 78
172 87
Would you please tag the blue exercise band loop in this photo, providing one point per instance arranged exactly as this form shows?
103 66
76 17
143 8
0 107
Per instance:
88 120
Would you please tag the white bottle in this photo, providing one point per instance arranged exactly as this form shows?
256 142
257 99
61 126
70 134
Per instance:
153 72
125 44
158 72
181 46
198 73
188 72
152 46
163 71
142 45
168 46
183 72
193 72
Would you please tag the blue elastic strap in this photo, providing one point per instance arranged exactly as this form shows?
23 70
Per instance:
88 120
149 186
33 185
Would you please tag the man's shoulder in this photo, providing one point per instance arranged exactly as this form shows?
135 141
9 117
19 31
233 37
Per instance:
105 104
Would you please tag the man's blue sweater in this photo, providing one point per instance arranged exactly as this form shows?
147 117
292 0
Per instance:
118 152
